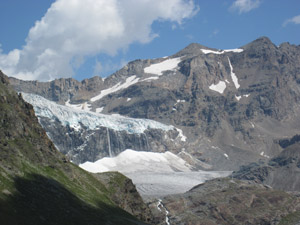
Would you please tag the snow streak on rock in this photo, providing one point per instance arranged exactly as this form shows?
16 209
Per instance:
129 81
233 76
208 51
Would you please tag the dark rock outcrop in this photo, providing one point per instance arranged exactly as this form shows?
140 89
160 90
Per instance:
231 201
281 172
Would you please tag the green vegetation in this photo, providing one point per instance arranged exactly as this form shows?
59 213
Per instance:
292 218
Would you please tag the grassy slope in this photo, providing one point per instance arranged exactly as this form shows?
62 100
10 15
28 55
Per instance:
37 184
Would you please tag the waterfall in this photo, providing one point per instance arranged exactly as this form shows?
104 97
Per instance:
108 142
140 143
147 142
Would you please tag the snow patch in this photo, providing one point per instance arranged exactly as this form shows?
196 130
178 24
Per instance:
99 110
233 76
130 161
91 120
180 135
208 51
226 155
150 78
129 81
159 68
238 97
128 99
264 155
219 87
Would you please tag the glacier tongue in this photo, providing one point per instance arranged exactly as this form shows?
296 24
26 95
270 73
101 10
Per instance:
76 118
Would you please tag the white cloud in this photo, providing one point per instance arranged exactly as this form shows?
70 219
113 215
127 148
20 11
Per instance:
74 29
244 6
295 20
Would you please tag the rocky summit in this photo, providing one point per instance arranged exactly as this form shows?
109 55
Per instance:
226 107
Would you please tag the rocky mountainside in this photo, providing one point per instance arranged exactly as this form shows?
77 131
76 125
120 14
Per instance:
227 201
38 185
281 172
232 105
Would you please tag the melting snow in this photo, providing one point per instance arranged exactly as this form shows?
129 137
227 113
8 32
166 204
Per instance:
129 81
91 120
158 68
130 161
233 76
207 51
219 87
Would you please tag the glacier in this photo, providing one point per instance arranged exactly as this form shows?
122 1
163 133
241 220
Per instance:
77 118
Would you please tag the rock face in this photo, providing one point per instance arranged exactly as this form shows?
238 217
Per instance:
281 172
231 201
125 195
232 105
38 185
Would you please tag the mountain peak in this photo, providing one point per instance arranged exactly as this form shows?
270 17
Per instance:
260 43
191 49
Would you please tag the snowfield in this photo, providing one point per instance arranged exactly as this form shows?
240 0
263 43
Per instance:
159 68
130 161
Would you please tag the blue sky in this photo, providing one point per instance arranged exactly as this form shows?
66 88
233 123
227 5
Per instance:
48 39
